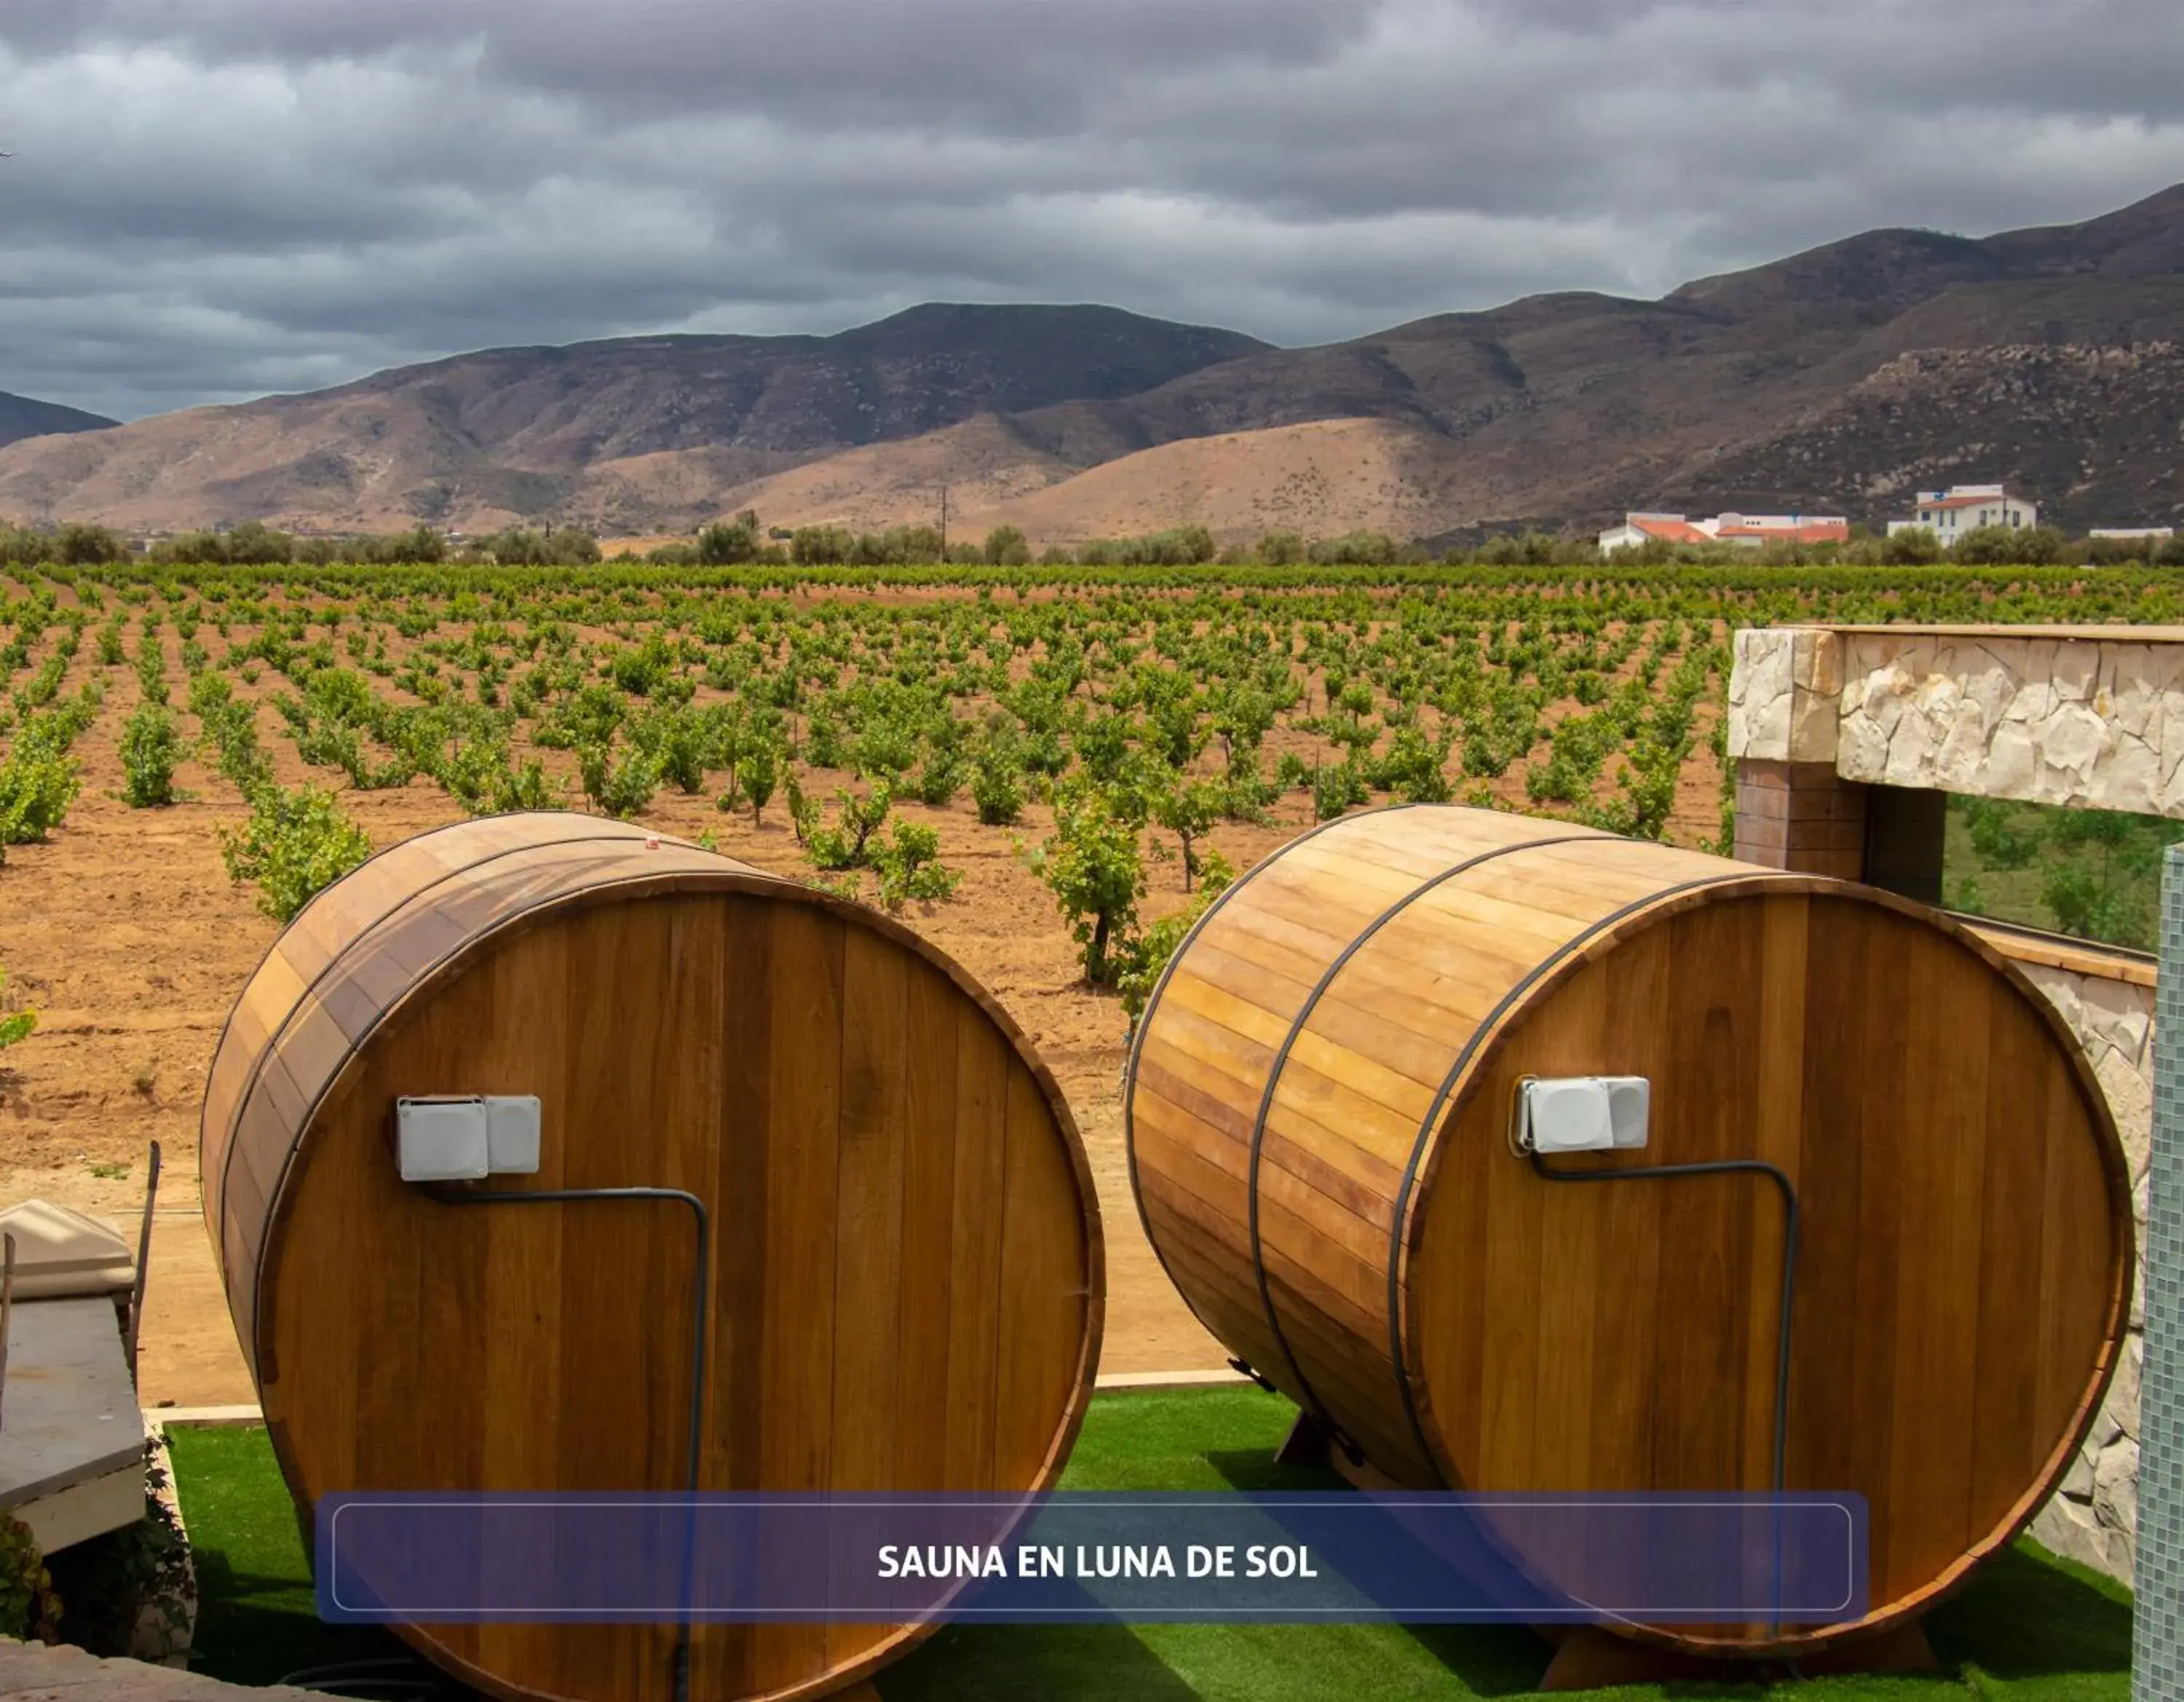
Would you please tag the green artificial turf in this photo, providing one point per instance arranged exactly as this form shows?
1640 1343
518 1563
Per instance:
2030 1628
257 1614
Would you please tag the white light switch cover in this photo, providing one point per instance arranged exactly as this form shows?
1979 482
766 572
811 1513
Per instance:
1629 1105
1568 1115
512 1134
1585 1114
441 1140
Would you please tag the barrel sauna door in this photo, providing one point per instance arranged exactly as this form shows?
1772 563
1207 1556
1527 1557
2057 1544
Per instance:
905 1283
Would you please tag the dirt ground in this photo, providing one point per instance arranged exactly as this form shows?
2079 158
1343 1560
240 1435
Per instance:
125 936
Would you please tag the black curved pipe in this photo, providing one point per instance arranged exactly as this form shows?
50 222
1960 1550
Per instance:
1789 1192
554 1196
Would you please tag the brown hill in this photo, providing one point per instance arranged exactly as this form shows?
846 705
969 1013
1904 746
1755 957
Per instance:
21 417
1835 379
1567 408
480 440
1320 479
983 462
2092 431
1327 476
2097 428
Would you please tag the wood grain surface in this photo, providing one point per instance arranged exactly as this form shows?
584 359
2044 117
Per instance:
906 1263
1318 1114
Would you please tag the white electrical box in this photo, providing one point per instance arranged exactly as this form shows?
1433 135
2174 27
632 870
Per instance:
466 1137
1583 1114
511 1134
1629 1105
442 1140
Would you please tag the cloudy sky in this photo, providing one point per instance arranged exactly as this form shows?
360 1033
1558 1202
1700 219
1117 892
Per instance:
212 199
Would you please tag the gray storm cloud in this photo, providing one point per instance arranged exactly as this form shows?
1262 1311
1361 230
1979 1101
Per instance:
215 200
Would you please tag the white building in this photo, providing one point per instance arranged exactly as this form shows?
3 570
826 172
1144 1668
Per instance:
1950 514
2134 533
1750 530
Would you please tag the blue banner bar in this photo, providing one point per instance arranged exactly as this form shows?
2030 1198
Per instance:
1322 1557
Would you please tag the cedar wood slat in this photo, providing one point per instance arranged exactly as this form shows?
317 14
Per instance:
1961 1286
862 1117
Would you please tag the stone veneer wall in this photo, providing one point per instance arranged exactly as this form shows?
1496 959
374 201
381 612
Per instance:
2092 721
2095 1516
2096 719
1784 695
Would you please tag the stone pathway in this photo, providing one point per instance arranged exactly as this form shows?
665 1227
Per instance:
32 1673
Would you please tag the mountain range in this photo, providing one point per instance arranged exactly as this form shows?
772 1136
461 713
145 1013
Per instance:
1839 380
20 417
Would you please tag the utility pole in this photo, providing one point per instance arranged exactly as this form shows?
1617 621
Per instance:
944 524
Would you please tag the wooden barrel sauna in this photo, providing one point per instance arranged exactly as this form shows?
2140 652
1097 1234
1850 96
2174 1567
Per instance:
906 1281
1318 1110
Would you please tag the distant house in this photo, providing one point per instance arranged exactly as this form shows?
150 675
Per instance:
1640 528
1758 529
1950 514
2133 533
1749 530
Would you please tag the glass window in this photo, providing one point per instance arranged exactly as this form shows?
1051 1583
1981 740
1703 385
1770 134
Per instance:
2091 874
